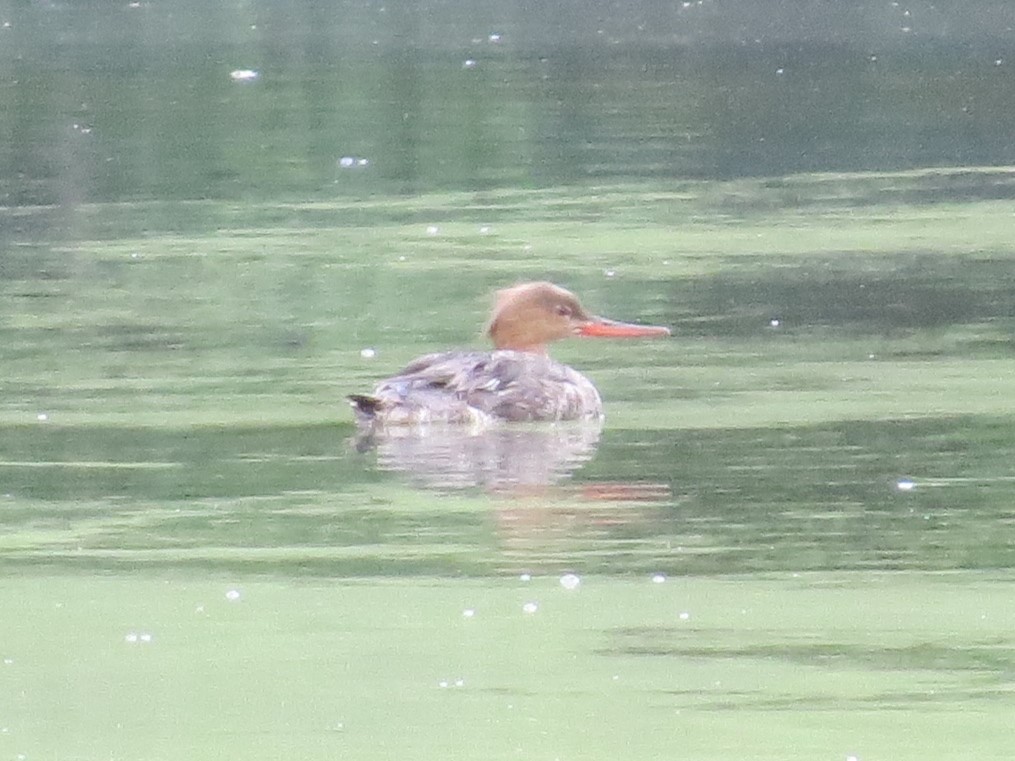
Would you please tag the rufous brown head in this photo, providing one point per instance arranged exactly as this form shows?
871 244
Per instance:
528 316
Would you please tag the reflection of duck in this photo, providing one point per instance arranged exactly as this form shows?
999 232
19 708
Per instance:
515 382
497 459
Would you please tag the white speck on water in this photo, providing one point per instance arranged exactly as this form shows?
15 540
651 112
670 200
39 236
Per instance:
351 162
530 607
442 683
905 485
368 353
130 637
685 616
484 230
459 683
494 38
780 71
609 273
42 417
570 581
525 577
432 230
146 637
470 63
774 323
468 613
8 661
244 75
998 61
232 595
199 609
527 247
401 258
852 758
659 578
135 255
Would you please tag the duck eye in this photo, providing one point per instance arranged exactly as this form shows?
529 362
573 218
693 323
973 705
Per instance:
563 310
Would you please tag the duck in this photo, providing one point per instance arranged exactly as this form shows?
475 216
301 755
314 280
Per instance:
515 382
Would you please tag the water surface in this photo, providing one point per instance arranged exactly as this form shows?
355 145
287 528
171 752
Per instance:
791 537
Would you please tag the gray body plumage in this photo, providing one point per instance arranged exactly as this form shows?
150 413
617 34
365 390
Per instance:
480 387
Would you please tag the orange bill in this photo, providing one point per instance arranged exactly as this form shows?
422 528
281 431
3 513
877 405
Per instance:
600 327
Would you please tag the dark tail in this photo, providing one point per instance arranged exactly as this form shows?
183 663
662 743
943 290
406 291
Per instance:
365 407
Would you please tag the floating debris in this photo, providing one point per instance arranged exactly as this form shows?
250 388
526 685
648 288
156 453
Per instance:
351 162
570 581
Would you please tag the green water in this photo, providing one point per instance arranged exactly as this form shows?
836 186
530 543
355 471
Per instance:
791 539
901 666
174 431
